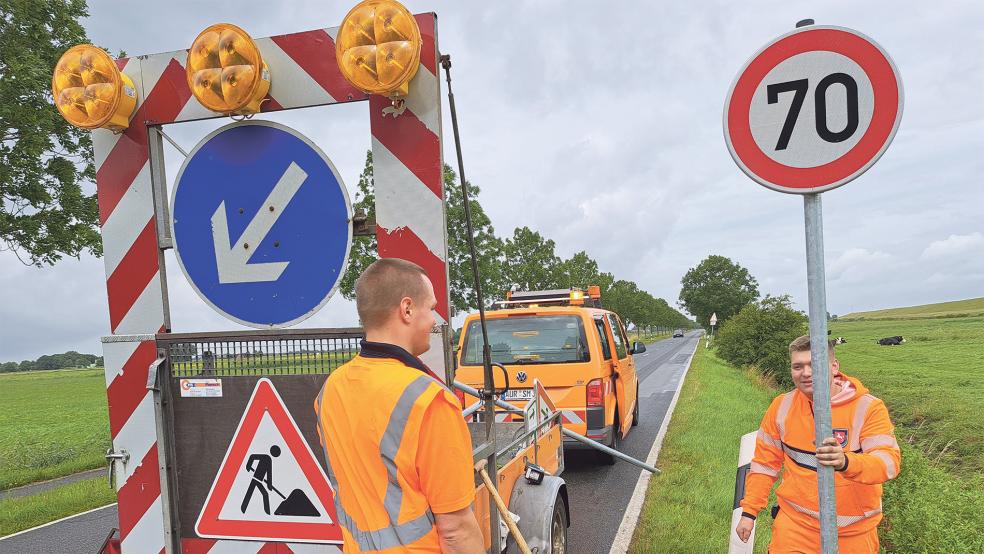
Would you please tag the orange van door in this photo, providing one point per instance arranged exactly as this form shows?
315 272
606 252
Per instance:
608 366
621 372
629 375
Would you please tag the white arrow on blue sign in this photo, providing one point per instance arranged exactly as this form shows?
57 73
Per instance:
262 224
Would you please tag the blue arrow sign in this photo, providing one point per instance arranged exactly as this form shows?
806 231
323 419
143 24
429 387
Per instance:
261 224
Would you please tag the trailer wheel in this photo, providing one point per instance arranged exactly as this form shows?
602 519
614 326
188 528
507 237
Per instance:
558 527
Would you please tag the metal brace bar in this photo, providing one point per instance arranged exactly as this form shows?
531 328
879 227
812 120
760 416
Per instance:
171 540
152 373
158 179
171 140
482 451
567 432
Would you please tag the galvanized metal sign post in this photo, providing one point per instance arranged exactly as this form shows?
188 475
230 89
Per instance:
809 112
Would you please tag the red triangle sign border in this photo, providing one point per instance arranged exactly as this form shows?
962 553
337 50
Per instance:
266 399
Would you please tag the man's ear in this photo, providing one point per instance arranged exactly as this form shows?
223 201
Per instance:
835 365
406 309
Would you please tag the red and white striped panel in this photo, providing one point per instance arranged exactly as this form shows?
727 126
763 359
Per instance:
408 172
573 417
303 71
209 546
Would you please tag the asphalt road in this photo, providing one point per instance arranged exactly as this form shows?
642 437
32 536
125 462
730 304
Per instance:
600 493
80 534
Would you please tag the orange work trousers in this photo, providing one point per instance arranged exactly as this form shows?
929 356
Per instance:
788 537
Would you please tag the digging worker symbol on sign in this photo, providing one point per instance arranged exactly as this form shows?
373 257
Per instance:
261 466
263 472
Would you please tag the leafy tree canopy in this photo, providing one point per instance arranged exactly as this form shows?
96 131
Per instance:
44 161
530 261
717 285
759 336
527 260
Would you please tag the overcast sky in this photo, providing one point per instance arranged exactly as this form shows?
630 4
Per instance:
598 124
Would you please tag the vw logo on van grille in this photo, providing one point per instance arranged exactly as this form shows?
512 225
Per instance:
521 376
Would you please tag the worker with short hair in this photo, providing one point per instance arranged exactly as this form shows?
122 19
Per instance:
398 451
863 452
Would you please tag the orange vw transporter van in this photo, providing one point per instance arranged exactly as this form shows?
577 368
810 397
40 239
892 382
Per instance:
576 349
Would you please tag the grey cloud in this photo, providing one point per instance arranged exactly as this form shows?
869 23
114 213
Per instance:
599 125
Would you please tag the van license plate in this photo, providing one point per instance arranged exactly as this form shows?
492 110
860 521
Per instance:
518 394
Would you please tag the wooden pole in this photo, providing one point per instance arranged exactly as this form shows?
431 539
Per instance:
520 541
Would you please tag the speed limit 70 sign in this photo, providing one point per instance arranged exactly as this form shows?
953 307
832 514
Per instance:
813 109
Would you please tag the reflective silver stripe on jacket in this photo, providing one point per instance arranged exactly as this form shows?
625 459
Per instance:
767 439
802 458
842 521
857 424
873 442
783 411
890 470
756 467
396 534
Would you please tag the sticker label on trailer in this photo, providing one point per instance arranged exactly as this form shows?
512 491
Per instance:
201 388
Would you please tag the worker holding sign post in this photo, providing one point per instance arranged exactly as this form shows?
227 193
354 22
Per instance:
809 112
862 451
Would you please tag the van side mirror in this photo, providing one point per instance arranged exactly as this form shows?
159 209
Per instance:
638 348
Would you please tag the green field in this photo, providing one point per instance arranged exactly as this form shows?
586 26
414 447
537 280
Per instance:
957 308
933 384
688 507
52 423
17 514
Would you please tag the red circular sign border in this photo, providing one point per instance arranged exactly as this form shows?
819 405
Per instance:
888 95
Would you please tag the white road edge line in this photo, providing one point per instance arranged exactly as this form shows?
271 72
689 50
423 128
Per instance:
5 537
631 518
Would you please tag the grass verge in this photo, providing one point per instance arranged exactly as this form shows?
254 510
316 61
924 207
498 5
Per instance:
52 423
17 514
688 507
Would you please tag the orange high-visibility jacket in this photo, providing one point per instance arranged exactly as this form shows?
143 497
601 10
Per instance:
786 443
397 448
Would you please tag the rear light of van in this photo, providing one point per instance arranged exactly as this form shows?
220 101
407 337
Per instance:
595 393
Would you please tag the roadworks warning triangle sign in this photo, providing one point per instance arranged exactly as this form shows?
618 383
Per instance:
269 485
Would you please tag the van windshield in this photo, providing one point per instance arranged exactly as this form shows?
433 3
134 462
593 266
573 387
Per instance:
533 339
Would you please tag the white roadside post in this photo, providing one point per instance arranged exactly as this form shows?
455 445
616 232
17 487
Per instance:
809 112
745 455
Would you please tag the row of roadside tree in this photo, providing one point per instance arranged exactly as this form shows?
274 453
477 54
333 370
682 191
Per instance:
53 361
525 261
752 332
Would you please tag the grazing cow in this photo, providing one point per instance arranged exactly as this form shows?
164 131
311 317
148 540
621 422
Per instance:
891 341
839 340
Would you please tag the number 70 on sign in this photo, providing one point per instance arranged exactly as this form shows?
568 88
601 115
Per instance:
813 109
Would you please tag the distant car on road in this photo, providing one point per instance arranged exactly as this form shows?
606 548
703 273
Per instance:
678 333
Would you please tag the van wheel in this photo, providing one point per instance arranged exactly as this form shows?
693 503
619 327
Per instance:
635 412
607 458
558 528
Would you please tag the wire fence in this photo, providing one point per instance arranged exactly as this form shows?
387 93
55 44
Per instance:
292 352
